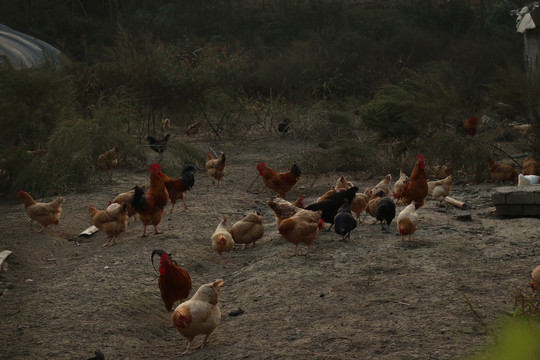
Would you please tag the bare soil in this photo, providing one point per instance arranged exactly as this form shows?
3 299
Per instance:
371 297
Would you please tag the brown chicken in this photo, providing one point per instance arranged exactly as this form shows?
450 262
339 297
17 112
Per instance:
281 183
407 221
359 203
416 188
199 315
398 185
501 172
215 167
442 190
441 171
193 129
343 184
173 281
372 205
150 206
43 213
535 278
248 230
383 187
282 209
326 194
530 167
178 187
165 124
112 221
125 198
222 240
301 227
107 162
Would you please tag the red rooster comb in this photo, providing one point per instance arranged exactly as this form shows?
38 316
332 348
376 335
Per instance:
155 167
261 165
164 257
20 194
419 157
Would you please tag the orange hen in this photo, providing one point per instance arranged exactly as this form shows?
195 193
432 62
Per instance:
281 183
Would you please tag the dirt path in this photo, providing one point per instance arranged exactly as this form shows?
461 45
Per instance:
370 297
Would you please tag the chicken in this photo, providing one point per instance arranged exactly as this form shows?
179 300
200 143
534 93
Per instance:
331 204
199 315
43 213
301 227
441 171
125 198
222 240
281 183
385 211
524 129
344 221
282 209
407 221
108 161
326 194
535 278
343 184
383 187
432 184
528 179
501 172
398 185
283 126
470 126
530 167
299 202
372 205
98 356
441 191
359 203
112 221
193 129
416 188
158 146
150 206
178 187
248 230
165 124
174 282
215 167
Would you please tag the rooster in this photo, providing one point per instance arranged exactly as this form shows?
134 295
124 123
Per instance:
150 206
174 282
215 167
281 183
248 230
112 221
416 189
43 213
178 187
125 198
199 315
407 221
470 126
222 240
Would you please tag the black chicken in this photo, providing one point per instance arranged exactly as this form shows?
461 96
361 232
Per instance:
99 356
331 204
385 211
344 221
158 146
283 127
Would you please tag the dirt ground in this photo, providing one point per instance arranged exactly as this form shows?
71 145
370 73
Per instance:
371 297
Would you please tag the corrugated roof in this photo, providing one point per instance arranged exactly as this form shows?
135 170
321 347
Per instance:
25 51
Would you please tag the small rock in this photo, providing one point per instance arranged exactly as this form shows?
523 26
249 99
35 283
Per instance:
9 286
464 215
237 312
322 295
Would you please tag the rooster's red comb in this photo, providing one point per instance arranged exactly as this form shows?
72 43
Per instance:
419 157
155 167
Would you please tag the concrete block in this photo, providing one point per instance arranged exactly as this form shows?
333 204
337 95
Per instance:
500 198
520 197
509 210
531 210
